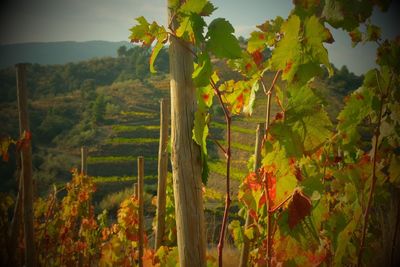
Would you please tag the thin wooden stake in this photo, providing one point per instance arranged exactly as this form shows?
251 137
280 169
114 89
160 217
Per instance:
26 162
162 173
244 255
140 162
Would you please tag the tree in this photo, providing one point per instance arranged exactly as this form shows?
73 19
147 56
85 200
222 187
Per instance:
121 51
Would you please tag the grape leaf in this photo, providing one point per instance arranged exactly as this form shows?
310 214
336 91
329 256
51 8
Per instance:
287 54
157 48
221 41
248 108
347 14
147 33
315 35
193 6
202 71
357 106
286 182
299 208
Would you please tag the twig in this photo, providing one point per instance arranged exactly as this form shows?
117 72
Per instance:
228 119
374 177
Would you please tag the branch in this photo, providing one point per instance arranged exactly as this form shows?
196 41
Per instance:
374 178
228 119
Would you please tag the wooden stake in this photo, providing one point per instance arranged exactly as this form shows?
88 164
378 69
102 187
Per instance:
244 255
26 162
162 173
185 156
140 162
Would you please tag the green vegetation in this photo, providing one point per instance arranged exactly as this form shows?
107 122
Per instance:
219 167
123 140
102 159
234 128
131 128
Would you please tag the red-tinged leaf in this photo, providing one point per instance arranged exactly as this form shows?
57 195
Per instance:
252 181
299 208
4 145
288 67
257 57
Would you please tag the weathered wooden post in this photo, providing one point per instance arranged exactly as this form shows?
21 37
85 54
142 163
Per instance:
162 173
244 255
185 156
140 162
26 163
84 152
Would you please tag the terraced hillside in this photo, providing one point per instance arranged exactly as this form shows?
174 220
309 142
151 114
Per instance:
135 131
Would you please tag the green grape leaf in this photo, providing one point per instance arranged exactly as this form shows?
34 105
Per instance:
193 6
208 9
344 237
306 126
139 32
357 106
191 28
200 133
249 106
157 48
287 54
347 14
147 33
221 41
257 41
202 71
315 35
389 53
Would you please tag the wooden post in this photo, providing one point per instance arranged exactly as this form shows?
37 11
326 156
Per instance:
185 156
244 255
26 163
140 162
84 152
162 173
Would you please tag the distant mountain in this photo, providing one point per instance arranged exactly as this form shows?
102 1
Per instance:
56 52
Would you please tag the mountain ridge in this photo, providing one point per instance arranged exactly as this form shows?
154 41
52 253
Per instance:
51 53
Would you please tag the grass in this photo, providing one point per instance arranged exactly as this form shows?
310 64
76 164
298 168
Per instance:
234 128
113 179
107 159
123 140
142 114
219 167
131 128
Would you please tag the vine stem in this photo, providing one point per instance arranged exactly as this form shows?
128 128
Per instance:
269 202
227 151
374 177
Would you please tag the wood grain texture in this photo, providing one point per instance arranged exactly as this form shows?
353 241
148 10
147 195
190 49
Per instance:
186 158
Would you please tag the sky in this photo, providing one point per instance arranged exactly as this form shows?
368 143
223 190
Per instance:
24 21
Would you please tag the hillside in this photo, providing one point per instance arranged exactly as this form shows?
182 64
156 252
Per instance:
112 107
57 52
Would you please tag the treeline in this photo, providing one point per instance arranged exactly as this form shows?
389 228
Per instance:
47 80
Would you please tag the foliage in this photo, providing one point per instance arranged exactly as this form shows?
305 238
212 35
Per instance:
311 200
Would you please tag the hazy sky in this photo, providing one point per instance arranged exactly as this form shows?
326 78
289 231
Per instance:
84 20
